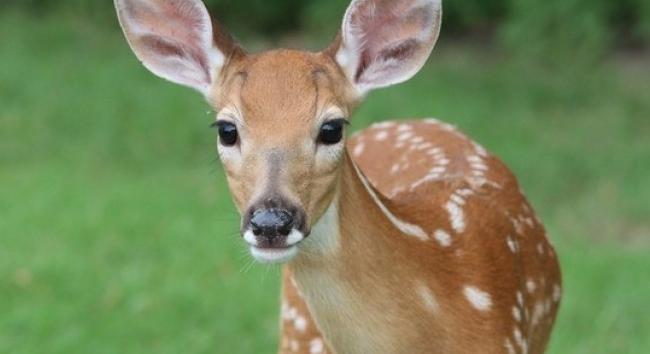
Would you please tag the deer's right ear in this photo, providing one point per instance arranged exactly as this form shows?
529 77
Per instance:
175 40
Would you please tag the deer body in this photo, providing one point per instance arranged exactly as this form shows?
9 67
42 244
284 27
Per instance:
482 279
413 239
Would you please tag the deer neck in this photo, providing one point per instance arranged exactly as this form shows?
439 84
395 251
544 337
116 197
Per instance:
349 276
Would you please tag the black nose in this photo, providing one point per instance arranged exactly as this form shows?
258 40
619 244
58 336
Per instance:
271 223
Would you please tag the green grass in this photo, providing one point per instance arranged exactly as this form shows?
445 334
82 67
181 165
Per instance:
117 234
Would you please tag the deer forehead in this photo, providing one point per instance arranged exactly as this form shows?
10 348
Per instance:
283 91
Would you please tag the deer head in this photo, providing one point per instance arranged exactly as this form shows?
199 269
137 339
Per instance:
282 114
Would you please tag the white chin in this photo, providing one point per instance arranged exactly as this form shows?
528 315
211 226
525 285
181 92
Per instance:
274 255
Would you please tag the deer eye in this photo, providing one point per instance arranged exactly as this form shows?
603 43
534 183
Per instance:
228 135
331 132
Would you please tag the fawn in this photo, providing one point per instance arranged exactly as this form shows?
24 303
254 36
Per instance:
408 238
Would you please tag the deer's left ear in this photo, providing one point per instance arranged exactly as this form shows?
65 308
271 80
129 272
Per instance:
386 42
175 40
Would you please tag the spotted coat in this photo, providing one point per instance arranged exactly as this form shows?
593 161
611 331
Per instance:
484 263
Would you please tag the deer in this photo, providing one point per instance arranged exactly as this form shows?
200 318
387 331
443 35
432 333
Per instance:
407 237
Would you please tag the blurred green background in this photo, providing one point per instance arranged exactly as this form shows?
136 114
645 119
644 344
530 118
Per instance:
117 234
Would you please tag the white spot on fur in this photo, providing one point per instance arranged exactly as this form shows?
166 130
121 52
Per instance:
538 313
509 348
479 174
520 298
438 170
479 299
557 293
517 225
457 199
443 238
289 313
531 286
404 128
381 136
396 191
316 346
512 244
423 146
404 136
516 313
358 150
519 339
479 167
300 323
480 149
456 215
428 300
434 174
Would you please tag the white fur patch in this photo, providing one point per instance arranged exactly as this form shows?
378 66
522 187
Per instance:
426 295
520 298
381 136
512 244
358 150
516 313
300 323
456 216
250 238
316 346
294 237
509 348
538 313
479 299
443 238
273 255
519 339
557 293
531 286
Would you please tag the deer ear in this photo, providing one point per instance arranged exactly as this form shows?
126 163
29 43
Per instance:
175 40
386 42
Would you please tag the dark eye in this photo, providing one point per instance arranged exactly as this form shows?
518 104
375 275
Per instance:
228 135
331 133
